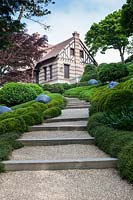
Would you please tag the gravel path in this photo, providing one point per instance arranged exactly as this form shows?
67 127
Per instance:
55 134
73 151
64 185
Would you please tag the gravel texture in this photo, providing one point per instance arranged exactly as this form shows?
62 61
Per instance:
66 124
55 134
64 185
69 113
73 151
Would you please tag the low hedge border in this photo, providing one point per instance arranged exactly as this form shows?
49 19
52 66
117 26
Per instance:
16 122
115 142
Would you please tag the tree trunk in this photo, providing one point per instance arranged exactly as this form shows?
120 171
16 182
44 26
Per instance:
122 51
21 13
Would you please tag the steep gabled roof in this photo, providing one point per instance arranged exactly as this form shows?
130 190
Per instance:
57 49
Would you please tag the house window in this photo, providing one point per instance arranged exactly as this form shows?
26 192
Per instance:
66 71
45 73
81 54
50 71
72 52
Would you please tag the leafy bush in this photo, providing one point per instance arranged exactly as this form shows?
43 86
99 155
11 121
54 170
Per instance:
52 112
90 72
16 93
118 99
125 85
16 124
121 120
36 88
126 162
114 142
54 88
112 72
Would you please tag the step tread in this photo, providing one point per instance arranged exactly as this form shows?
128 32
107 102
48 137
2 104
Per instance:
60 160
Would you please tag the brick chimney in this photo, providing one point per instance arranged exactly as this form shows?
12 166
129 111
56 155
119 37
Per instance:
76 36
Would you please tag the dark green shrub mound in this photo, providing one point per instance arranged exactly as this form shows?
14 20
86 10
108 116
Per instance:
16 124
125 85
54 88
125 164
112 72
16 93
111 100
90 72
52 112
36 88
118 99
120 120
115 142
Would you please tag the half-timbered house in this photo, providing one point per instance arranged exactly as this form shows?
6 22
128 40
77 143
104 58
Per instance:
64 62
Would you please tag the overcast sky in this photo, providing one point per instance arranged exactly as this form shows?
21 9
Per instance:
76 15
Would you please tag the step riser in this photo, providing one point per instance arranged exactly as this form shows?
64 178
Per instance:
69 107
65 120
82 128
60 165
56 142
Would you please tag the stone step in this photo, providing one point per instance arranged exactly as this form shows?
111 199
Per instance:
36 165
56 141
71 115
55 134
60 126
76 106
66 119
58 152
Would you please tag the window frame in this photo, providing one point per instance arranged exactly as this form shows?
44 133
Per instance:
66 71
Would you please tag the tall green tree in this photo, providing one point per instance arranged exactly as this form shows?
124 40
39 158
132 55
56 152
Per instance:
108 34
127 16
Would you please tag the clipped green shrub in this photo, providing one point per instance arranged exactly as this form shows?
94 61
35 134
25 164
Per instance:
112 72
122 120
118 99
16 93
127 85
125 162
52 112
90 72
16 124
5 149
117 143
36 88
54 88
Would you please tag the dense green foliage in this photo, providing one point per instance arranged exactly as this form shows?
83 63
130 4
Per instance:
89 73
107 34
16 122
127 16
112 72
58 87
52 112
12 94
114 142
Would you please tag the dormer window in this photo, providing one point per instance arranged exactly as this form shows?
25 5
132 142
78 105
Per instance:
72 52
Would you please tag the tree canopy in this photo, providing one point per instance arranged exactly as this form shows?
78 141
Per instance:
11 13
107 34
127 16
23 53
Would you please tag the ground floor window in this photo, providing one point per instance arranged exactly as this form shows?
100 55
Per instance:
45 73
50 71
66 71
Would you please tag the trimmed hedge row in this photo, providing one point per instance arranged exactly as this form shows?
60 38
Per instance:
114 142
16 122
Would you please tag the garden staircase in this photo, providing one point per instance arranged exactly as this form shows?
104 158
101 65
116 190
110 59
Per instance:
60 143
